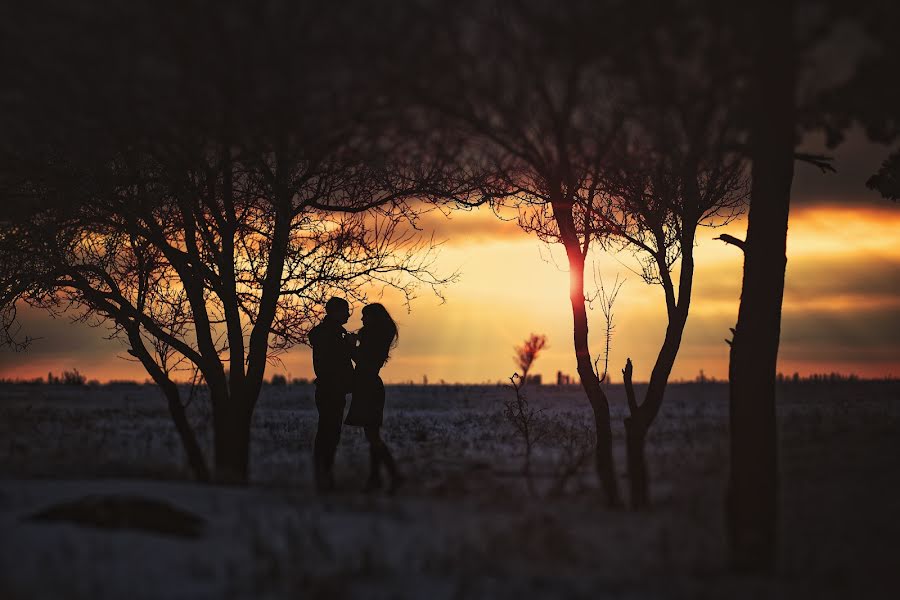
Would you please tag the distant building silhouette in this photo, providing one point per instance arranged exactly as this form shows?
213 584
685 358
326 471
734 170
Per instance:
563 379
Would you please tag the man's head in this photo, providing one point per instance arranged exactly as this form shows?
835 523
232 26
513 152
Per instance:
338 309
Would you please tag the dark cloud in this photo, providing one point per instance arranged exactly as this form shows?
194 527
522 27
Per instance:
58 339
850 337
810 278
834 276
829 333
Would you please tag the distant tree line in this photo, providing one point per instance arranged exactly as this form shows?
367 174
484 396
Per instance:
74 378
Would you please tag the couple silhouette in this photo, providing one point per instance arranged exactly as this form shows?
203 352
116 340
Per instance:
335 352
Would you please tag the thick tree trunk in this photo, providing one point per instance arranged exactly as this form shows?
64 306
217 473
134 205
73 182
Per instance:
751 505
233 411
231 419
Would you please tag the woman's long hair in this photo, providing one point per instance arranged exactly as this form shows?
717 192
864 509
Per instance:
380 328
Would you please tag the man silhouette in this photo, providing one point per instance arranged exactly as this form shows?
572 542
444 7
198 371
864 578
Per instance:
334 378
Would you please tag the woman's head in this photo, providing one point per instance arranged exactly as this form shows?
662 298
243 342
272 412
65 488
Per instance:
378 323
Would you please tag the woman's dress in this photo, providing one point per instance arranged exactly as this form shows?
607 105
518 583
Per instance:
367 402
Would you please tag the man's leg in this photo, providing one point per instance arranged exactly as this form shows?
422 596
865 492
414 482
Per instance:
335 422
318 469
328 434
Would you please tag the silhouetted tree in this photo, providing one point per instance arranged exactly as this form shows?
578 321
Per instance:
598 138
752 500
776 113
680 168
199 183
541 117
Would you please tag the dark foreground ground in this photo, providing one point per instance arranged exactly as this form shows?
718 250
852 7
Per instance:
465 525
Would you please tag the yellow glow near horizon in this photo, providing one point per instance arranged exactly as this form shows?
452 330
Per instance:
841 307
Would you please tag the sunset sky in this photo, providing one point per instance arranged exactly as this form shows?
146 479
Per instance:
841 308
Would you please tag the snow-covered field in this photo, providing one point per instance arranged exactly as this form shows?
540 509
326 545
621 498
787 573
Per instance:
464 526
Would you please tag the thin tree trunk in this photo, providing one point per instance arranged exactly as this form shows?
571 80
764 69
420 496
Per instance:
637 426
606 472
188 438
195 456
751 504
642 416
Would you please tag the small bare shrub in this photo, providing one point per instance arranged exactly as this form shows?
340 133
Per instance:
573 442
575 445
607 300
526 422
72 377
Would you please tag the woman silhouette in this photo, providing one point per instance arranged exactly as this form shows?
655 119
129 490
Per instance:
376 338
